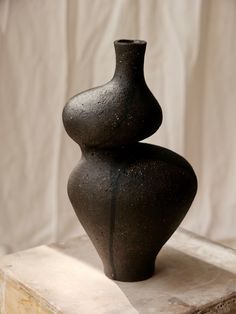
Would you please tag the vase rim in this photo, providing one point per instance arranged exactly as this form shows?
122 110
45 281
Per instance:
130 42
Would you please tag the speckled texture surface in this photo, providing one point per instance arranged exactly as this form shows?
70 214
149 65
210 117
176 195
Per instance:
193 276
129 196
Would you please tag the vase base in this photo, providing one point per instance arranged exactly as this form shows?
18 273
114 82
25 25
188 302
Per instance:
132 275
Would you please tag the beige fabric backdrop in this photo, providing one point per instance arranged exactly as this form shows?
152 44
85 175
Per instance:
51 50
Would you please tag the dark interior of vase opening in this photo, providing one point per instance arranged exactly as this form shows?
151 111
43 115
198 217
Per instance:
130 41
125 41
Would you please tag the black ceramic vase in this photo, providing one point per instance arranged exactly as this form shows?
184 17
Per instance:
130 197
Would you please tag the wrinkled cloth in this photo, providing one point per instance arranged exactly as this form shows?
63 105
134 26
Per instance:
51 50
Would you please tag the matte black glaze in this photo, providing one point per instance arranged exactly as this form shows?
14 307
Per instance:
129 196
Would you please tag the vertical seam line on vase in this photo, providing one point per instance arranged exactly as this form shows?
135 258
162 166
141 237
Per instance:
115 175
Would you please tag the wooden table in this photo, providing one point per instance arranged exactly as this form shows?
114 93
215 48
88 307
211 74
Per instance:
193 275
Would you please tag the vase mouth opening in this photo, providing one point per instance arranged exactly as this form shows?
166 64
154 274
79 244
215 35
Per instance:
130 42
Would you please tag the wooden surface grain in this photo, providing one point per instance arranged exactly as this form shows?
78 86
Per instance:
192 276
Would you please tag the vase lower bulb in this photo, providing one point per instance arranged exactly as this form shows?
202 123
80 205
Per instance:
129 196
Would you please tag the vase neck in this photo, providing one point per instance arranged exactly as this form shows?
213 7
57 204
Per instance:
129 58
